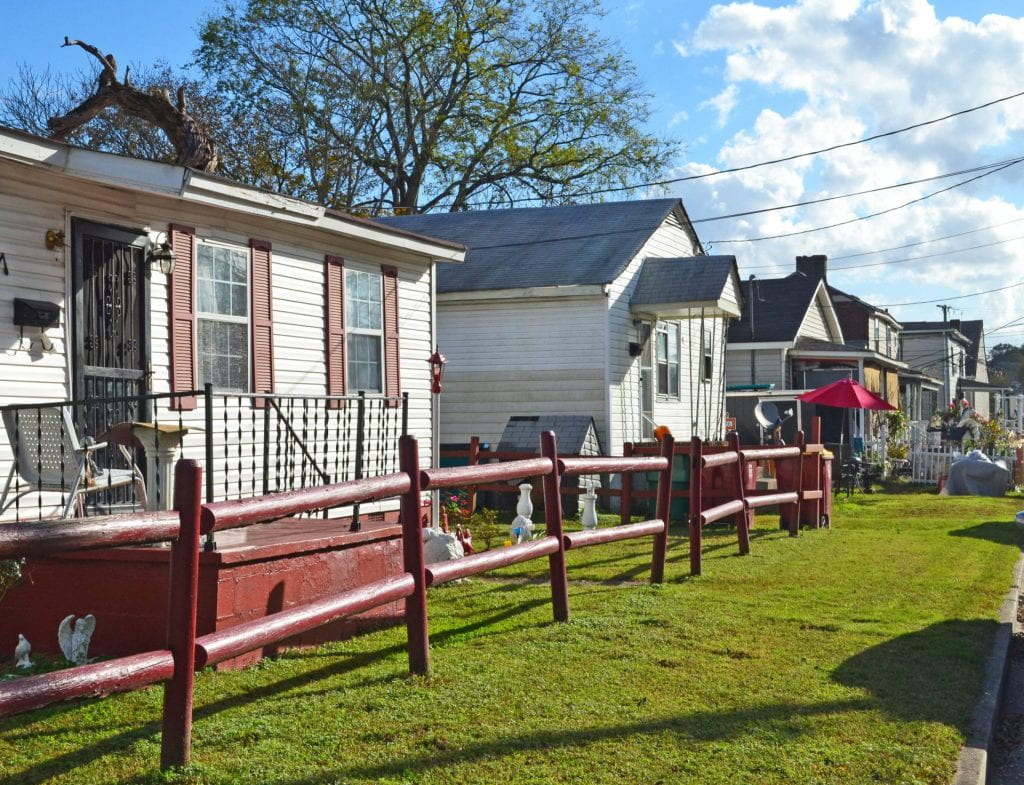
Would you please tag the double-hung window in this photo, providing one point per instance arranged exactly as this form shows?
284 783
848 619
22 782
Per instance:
364 330
667 355
222 316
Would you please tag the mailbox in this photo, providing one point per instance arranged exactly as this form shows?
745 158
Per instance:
35 313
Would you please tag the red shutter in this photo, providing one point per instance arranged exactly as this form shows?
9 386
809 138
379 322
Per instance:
392 379
181 292
261 321
334 325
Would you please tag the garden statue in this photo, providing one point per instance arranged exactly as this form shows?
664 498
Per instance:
589 516
21 652
522 527
74 642
441 546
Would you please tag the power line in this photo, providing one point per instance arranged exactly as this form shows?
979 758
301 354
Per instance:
957 297
747 167
869 215
855 193
924 242
907 259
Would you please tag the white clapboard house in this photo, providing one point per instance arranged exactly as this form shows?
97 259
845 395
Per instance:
609 310
286 336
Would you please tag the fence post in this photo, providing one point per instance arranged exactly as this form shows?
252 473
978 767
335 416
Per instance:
266 448
474 458
553 526
211 543
176 740
696 501
743 517
663 508
801 505
360 436
626 500
412 557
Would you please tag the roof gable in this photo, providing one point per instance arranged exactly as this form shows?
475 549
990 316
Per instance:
545 246
693 279
776 307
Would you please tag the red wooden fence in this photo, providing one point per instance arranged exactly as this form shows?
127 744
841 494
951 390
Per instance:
185 653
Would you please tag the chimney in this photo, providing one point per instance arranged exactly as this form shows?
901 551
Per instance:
814 267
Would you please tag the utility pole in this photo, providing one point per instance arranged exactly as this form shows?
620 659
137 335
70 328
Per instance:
945 312
947 376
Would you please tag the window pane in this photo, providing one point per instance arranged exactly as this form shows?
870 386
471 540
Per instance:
364 362
239 301
673 380
207 299
239 267
673 343
224 354
662 379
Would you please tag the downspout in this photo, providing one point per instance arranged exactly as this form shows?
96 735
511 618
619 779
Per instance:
606 289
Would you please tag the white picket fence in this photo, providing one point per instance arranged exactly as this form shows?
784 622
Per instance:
930 458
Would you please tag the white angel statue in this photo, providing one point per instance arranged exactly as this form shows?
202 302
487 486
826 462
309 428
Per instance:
74 641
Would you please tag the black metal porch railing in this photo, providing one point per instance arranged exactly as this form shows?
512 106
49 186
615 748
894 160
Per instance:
100 455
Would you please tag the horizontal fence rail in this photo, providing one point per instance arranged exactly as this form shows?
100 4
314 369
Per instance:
186 653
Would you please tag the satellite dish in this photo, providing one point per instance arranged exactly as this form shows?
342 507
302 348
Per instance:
768 416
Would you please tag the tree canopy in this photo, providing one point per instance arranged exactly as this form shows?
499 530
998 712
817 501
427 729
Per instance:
436 104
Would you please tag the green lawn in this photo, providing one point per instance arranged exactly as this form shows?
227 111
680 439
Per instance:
850 655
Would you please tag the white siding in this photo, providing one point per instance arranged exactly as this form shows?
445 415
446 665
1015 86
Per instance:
814 325
32 201
520 357
699 410
767 368
670 240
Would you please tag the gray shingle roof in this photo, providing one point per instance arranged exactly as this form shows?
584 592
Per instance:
577 434
683 279
779 306
541 246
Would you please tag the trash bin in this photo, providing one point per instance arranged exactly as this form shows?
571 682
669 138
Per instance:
826 488
680 509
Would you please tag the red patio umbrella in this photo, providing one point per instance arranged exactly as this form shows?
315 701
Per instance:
846 394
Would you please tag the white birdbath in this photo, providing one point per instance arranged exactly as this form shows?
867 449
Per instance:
161 444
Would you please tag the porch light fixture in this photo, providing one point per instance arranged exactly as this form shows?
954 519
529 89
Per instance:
161 257
437 362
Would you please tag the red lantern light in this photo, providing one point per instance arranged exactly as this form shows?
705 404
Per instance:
437 362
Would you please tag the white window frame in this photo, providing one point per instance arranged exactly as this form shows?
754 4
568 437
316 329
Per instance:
228 318
707 354
663 328
378 333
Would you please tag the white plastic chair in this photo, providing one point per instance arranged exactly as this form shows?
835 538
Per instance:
49 457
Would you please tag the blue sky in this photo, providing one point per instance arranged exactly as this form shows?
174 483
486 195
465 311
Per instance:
738 83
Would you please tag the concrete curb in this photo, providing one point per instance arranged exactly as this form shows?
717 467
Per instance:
972 765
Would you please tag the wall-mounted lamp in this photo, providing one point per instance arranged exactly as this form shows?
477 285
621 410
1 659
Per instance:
160 255
437 362
54 239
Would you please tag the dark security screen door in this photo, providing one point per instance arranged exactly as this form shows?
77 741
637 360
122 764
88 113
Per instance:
110 337
110 308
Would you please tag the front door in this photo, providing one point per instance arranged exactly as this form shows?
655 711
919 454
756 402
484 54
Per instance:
110 337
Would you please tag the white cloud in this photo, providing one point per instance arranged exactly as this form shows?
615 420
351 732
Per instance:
659 48
857 68
677 118
680 48
723 103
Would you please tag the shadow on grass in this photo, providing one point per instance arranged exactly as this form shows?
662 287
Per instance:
1001 532
42 772
933 674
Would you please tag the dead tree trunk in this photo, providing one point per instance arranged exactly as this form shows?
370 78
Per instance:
193 145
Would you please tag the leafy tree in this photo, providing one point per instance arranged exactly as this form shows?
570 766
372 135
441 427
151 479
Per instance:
435 104
1006 363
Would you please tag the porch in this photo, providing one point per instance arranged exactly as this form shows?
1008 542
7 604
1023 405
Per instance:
111 455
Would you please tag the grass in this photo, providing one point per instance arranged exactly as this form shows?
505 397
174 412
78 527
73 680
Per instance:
850 655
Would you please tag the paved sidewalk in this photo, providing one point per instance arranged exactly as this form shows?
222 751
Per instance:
1006 759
